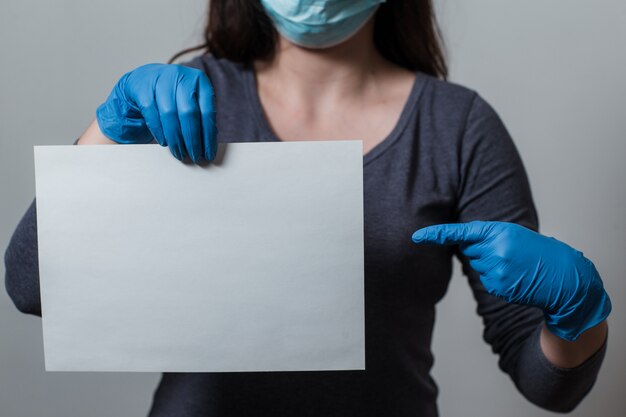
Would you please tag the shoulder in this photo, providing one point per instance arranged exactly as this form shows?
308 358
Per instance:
458 125
456 108
446 97
231 83
472 146
445 89
221 72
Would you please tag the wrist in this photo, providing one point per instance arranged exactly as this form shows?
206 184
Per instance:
585 307
94 136
570 354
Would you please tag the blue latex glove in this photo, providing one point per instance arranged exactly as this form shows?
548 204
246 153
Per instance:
524 267
172 104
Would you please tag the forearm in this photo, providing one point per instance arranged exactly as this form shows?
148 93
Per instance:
565 354
548 385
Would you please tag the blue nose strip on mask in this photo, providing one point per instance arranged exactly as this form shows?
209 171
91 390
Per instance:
319 23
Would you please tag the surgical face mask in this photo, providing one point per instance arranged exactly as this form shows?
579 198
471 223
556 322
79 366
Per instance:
319 23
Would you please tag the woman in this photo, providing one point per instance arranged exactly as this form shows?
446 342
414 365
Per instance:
435 154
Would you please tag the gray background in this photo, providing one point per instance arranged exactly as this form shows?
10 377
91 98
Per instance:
553 70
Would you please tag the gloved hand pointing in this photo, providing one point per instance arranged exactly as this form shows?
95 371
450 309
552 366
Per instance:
172 104
524 267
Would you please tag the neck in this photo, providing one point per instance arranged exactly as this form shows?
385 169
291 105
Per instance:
340 70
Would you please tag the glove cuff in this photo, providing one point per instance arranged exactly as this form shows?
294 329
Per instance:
118 123
569 325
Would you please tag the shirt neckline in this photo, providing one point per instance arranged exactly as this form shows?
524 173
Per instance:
409 108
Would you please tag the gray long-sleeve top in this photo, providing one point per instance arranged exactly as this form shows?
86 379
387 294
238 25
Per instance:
448 159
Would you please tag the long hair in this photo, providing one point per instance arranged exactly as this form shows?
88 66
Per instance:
405 32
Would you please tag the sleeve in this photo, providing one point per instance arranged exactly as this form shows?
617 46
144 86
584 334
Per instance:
22 265
493 186
21 261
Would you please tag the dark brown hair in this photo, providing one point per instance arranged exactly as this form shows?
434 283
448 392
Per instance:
405 32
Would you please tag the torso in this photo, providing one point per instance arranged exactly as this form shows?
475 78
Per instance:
411 176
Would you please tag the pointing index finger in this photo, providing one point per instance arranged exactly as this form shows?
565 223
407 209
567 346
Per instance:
451 234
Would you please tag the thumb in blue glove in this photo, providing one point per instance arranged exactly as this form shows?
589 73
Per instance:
171 104
525 267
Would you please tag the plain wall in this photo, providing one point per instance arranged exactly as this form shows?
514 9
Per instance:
554 71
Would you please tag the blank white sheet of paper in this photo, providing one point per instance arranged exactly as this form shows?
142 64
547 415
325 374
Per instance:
254 263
